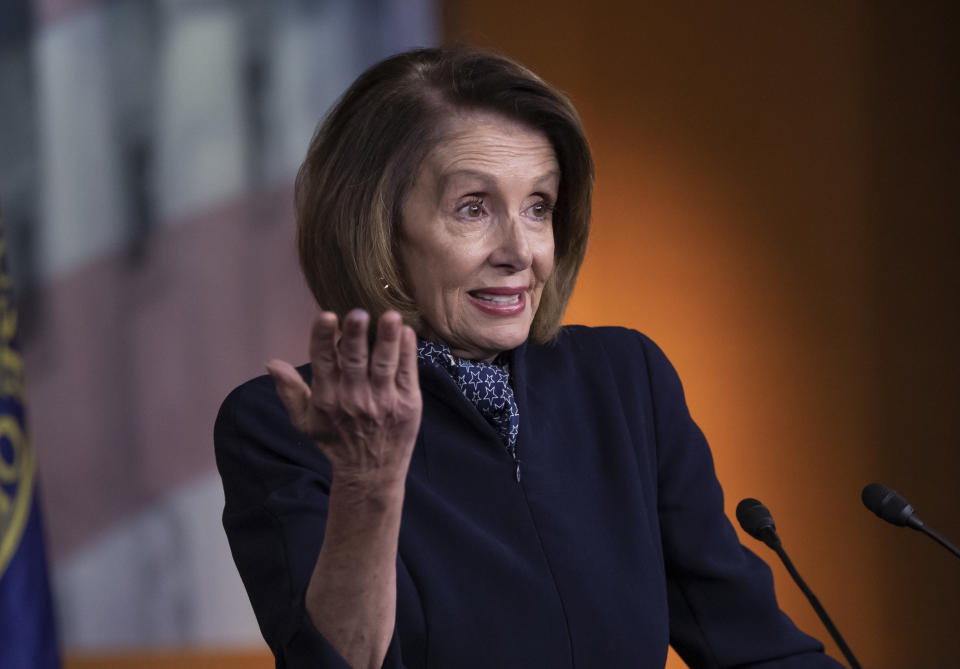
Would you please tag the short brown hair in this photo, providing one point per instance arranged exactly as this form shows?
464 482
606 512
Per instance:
364 157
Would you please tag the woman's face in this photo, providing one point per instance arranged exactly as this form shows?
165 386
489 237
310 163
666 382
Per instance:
476 236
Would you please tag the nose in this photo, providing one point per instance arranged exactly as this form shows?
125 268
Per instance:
513 249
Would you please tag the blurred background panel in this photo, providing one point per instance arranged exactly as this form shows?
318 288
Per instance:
148 153
776 188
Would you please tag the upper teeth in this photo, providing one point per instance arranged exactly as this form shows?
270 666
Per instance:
500 299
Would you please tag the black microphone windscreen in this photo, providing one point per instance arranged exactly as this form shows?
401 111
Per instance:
755 519
887 504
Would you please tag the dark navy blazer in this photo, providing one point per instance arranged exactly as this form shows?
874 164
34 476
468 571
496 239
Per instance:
613 544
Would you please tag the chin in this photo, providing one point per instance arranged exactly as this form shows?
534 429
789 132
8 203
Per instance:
505 342
484 341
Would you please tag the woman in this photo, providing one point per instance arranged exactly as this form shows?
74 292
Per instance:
477 487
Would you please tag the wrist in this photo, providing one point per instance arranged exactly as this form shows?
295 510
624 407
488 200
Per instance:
368 488
363 519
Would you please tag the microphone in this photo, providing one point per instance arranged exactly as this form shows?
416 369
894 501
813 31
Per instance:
893 508
756 520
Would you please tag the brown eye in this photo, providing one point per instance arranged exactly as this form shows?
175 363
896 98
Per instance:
540 211
471 210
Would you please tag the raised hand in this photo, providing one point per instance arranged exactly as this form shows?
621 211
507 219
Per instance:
362 407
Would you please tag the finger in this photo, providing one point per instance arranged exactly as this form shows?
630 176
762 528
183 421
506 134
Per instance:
386 351
353 350
293 391
323 355
407 376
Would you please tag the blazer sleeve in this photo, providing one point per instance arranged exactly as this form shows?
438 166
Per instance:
276 485
723 610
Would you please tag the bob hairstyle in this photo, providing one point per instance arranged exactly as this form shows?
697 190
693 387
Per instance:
365 155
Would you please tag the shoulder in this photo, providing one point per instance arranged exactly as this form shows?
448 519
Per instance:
255 399
612 360
253 418
608 335
624 348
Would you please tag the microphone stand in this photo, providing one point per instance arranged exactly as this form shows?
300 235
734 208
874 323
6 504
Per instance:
814 602
936 537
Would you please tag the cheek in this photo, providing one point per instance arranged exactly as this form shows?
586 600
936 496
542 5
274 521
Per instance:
457 262
438 272
544 258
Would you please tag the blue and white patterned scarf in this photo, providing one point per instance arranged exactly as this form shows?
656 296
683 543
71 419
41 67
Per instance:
488 388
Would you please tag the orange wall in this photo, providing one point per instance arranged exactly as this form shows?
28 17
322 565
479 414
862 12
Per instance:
773 206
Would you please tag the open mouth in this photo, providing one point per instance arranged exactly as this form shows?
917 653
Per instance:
503 300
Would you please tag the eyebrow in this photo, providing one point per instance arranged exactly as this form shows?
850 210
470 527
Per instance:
444 181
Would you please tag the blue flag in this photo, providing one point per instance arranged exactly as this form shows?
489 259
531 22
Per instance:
27 634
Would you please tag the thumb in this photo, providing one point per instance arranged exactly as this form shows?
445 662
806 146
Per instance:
293 392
